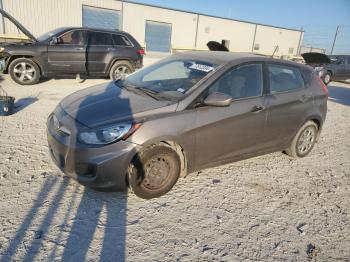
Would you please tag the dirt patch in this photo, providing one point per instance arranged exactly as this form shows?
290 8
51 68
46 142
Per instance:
266 208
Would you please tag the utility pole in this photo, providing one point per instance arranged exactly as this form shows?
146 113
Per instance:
335 38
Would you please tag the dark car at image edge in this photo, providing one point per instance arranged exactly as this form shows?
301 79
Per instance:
190 111
329 67
70 51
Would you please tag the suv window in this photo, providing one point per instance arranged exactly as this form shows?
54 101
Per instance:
121 40
98 38
284 78
242 82
76 37
338 60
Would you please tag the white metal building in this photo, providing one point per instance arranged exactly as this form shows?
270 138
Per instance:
158 29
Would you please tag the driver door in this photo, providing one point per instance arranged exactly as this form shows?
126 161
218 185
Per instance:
67 55
232 132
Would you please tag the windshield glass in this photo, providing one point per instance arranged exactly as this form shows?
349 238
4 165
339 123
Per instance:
169 79
48 35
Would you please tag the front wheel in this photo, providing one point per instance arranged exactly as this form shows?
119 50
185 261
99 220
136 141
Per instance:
154 172
24 71
120 70
304 140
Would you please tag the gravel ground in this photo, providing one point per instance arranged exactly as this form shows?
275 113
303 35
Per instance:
266 208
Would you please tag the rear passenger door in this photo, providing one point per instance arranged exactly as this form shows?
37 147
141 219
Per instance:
288 100
339 68
99 52
347 76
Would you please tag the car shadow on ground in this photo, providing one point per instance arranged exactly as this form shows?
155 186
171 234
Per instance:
70 225
77 228
339 94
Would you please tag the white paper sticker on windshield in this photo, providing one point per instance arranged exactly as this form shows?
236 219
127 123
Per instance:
204 68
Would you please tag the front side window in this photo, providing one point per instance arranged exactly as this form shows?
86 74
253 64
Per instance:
170 79
284 78
242 82
98 38
76 37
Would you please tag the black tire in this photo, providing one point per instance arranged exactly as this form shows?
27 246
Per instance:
303 143
24 71
120 69
327 78
154 171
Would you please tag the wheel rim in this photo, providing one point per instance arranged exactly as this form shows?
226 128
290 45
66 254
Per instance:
327 78
157 172
24 72
121 72
306 140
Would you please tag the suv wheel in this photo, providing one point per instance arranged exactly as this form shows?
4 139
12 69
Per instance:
304 140
154 172
327 78
24 71
120 70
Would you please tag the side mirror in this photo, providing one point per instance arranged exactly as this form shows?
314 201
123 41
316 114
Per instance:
218 99
54 40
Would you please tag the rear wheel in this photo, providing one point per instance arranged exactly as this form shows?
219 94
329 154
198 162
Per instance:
24 71
304 140
121 69
154 172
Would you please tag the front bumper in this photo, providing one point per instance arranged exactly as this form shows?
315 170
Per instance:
102 168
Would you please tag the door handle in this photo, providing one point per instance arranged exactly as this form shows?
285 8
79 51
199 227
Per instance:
257 109
111 49
79 48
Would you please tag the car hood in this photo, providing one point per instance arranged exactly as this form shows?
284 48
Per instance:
18 25
107 103
316 58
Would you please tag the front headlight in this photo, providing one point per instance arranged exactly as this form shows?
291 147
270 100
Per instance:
107 135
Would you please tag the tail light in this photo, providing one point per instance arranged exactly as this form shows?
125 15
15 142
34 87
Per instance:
324 87
141 51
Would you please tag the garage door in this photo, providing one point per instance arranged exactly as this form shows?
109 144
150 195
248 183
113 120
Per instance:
158 36
101 18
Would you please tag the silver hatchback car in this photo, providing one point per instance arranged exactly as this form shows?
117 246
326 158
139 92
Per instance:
188 112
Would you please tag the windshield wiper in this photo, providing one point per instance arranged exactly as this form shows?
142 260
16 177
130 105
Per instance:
148 92
133 88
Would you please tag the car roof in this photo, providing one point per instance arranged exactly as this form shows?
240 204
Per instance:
92 29
221 57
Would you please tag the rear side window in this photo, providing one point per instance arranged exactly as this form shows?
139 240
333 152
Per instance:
242 82
121 40
98 38
308 75
284 78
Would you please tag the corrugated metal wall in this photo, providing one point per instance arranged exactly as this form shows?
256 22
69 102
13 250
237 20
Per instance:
189 30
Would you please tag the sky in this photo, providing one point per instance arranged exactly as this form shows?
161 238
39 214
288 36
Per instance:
318 18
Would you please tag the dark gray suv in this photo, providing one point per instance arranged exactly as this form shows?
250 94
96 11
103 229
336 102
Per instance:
188 112
70 51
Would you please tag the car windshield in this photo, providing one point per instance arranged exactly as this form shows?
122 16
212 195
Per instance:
170 79
48 35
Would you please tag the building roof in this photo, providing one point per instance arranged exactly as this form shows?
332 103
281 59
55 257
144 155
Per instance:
214 16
